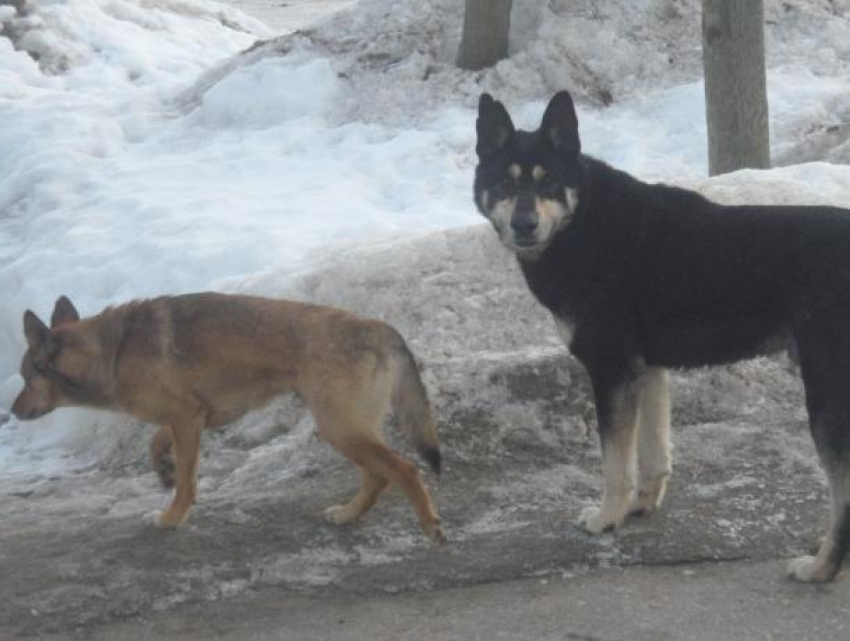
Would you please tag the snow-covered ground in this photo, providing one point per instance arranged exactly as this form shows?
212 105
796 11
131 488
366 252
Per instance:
139 157
156 146
286 16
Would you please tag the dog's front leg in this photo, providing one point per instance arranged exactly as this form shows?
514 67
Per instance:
186 438
653 443
617 401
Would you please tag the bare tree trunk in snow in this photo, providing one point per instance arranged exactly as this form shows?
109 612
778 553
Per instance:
484 42
735 85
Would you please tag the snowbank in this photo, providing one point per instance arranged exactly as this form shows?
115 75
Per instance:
499 378
399 56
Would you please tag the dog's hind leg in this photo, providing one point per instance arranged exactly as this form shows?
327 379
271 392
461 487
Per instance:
371 486
826 564
833 446
823 368
162 458
349 410
653 441
382 461
363 447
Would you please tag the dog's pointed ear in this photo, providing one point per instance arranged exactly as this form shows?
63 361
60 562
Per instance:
36 332
560 124
64 312
494 126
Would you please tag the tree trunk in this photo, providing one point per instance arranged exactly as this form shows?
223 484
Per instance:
735 85
484 42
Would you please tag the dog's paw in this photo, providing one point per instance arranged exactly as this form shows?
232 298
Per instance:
809 569
595 521
165 520
152 518
434 531
650 495
644 503
339 515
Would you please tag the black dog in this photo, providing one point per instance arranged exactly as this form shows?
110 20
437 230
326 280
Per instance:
644 277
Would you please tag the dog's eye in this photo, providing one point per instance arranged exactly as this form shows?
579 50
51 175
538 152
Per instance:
40 364
507 183
547 186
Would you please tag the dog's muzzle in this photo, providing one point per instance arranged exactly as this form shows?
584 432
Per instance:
524 227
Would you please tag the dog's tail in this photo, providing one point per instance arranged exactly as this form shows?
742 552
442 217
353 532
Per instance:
410 403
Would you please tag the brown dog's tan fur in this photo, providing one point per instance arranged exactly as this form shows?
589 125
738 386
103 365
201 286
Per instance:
203 360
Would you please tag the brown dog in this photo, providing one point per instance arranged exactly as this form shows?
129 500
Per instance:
203 360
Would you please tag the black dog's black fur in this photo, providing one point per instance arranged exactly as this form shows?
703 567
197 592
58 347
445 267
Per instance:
679 281
652 275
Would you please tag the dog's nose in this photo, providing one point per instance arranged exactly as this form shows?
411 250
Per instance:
523 225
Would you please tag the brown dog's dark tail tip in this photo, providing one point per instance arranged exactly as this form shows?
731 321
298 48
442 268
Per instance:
432 457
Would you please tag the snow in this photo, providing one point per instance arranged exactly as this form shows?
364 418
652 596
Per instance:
142 153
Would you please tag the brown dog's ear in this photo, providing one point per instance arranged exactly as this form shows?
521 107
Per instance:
494 126
560 124
64 312
35 331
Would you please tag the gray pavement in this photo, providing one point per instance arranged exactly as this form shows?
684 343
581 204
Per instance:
692 601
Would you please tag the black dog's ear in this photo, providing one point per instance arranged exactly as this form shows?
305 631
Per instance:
64 312
560 124
494 126
35 331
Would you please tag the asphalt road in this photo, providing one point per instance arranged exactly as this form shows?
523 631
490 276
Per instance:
691 601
